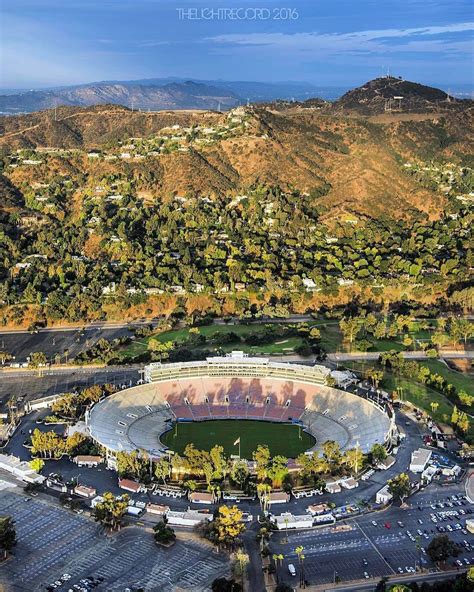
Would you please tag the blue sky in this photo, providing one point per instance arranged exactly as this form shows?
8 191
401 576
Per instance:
326 42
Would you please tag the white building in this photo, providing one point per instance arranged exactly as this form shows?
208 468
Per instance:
343 378
349 483
188 518
386 463
20 469
419 460
288 520
428 474
278 497
383 496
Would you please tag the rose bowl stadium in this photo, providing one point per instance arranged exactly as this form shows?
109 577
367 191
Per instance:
239 389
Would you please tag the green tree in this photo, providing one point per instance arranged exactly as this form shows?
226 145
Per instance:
332 455
7 534
375 376
5 357
455 415
277 470
463 422
219 462
441 547
161 351
400 486
353 459
111 510
378 453
314 334
242 560
163 534
350 328
38 360
47 444
465 398
163 469
461 329
131 464
225 529
239 472
261 456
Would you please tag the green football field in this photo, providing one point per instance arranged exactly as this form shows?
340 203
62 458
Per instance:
281 438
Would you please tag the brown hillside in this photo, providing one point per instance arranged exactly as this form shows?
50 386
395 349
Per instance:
354 163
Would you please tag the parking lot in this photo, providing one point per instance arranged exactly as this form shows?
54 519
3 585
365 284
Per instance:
392 542
53 542
29 386
51 342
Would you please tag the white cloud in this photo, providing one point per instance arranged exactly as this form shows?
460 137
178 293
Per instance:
371 41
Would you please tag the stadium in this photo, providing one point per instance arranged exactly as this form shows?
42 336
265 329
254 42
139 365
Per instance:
260 397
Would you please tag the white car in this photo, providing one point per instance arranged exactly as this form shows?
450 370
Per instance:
291 569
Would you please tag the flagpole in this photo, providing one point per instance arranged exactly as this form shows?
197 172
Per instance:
239 447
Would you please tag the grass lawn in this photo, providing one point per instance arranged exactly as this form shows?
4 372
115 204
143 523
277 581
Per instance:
387 345
331 339
280 345
419 394
281 438
462 382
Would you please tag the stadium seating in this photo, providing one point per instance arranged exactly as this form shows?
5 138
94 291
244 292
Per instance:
136 417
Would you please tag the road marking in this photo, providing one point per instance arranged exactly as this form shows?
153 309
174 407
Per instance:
374 547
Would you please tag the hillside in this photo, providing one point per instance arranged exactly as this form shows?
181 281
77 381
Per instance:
108 212
353 164
390 94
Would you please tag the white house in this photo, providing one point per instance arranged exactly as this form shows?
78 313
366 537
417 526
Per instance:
383 496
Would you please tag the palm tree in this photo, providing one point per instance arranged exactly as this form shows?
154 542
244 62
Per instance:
278 559
299 551
263 492
243 560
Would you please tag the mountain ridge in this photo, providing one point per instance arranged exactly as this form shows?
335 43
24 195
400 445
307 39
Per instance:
177 93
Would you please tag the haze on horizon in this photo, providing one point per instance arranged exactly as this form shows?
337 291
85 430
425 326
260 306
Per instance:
49 43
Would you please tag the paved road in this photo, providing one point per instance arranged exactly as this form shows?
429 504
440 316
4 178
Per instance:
363 586
409 355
